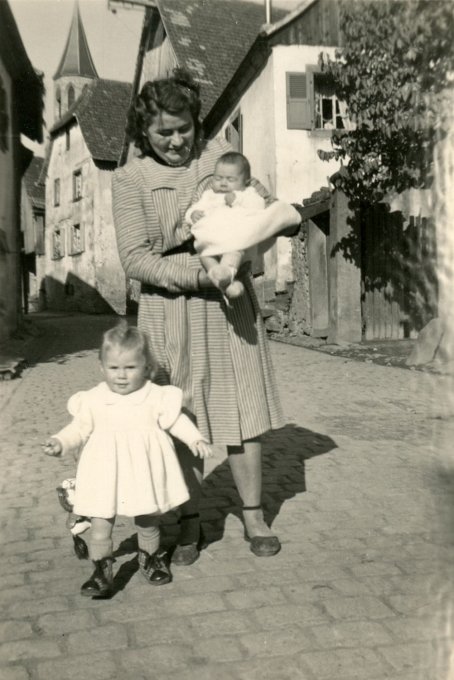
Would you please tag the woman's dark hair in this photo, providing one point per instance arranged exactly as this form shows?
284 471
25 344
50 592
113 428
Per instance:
175 94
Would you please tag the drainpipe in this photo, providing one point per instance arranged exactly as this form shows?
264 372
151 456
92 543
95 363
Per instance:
268 11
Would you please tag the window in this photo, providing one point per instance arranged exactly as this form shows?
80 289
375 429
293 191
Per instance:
58 244
56 192
311 102
68 140
71 95
76 244
234 132
58 101
39 235
77 185
327 109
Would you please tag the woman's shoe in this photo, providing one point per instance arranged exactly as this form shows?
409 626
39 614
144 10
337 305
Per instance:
155 568
101 582
187 553
261 546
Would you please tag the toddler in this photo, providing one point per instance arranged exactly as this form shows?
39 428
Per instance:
128 465
230 191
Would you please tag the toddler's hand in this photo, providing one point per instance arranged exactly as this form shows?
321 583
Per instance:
202 449
197 215
52 447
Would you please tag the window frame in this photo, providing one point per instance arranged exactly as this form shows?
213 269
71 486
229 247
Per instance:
58 253
77 186
57 192
72 249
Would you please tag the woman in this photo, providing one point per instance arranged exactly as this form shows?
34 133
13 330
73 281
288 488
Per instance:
217 354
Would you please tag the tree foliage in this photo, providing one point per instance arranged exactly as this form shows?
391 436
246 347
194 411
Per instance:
394 68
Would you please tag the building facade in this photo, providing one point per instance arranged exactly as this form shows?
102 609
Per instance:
21 112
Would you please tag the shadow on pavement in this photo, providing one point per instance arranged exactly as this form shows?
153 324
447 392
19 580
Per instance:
284 454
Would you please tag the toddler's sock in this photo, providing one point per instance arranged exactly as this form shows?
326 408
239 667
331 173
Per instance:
100 548
148 538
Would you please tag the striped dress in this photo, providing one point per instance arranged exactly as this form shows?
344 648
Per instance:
218 355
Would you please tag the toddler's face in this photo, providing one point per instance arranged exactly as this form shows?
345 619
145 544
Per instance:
227 177
124 370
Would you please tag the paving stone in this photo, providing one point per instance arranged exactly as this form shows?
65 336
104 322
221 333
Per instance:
418 655
356 608
90 667
20 650
354 664
288 614
351 634
219 649
226 622
160 658
61 623
251 599
14 673
99 638
15 630
276 642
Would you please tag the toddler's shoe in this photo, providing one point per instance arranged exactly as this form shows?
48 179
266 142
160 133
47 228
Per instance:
154 568
101 582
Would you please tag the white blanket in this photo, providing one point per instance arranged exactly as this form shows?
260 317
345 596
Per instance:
237 228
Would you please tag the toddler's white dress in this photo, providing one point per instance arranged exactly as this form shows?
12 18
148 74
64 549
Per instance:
128 465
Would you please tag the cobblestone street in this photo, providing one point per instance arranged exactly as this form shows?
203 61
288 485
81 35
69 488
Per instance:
359 486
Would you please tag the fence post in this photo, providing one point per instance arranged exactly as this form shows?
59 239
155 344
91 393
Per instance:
344 277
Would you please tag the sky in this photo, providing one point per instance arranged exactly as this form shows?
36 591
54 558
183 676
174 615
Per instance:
112 38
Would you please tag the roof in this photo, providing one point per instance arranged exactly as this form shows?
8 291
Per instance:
254 58
101 112
76 59
211 38
35 190
30 86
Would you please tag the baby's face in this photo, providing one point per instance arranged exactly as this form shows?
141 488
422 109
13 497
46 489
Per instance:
227 177
125 370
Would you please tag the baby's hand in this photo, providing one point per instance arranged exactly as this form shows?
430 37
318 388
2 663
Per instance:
202 449
52 447
230 198
197 215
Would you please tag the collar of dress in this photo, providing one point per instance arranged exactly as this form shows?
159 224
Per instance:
136 397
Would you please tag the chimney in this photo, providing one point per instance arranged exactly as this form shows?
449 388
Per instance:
268 11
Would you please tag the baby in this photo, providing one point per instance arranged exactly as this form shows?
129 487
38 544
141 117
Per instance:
230 191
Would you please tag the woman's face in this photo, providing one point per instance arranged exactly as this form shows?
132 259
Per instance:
172 136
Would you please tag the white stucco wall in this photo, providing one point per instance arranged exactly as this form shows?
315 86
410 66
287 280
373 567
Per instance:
8 223
299 170
95 275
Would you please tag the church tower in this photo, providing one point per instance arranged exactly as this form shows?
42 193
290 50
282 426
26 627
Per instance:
76 67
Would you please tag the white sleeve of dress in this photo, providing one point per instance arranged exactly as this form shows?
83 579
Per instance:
75 435
185 430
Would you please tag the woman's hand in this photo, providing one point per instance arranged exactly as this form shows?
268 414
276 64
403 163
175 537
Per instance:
52 447
202 449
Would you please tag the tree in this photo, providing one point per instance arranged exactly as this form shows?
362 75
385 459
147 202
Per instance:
395 66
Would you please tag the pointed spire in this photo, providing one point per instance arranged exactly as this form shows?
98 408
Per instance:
76 59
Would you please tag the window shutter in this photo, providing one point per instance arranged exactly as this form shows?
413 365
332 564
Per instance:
300 88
